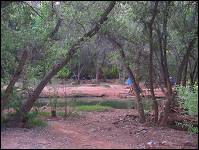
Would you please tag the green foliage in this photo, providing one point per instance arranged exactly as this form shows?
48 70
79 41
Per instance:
189 126
110 72
33 121
71 114
53 103
92 108
47 114
188 98
15 100
189 101
63 73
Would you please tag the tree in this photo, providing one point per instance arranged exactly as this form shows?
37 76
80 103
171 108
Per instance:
25 108
131 76
151 71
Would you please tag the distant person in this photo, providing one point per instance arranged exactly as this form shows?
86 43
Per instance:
130 82
172 81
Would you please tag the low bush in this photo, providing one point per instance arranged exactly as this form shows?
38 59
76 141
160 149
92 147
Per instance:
188 99
33 121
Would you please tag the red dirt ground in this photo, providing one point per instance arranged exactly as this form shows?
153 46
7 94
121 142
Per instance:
98 130
112 129
102 90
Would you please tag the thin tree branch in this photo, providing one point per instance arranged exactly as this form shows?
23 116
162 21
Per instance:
32 9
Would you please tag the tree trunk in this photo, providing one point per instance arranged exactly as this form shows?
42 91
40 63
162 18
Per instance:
151 71
137 92
181 68
185 73
131 76
25 108
164 118
193 71
97 74
161 57
137 70
185 57
9 89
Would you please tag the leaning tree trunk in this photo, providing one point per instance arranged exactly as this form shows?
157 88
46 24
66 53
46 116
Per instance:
131 76
135 88
20 117
9 89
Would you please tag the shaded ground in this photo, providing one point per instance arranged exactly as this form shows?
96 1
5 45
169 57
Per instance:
111 129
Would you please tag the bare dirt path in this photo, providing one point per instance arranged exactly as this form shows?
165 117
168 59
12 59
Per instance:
101 130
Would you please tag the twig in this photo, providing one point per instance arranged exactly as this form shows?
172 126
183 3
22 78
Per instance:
32 9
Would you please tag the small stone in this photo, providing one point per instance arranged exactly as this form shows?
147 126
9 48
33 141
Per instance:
164 142
149 143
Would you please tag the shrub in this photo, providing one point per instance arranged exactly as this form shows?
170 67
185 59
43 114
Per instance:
15 100
187 125
189 101
110 72
63 73
53 104
188 98
33 121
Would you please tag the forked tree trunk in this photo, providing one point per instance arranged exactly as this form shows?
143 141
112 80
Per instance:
185 58
25 108
164 117
151 70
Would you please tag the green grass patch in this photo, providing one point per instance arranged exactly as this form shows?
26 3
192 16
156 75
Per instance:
118 104
33 121
90 105
69 114
59 113
36 123
92 108
46 114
